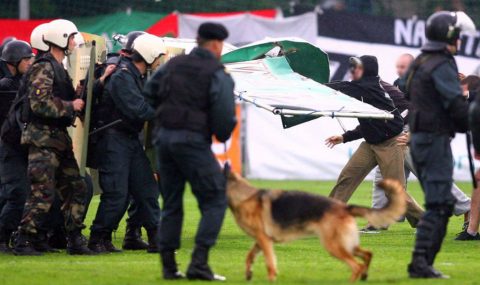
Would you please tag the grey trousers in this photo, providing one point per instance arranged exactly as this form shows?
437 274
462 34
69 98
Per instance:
379 199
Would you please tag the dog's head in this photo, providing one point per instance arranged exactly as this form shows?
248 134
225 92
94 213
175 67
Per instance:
238 189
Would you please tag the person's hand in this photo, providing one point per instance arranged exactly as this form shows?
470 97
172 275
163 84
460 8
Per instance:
78 105
403 139
108 71
333 141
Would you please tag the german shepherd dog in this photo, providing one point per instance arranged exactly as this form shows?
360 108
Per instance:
274 216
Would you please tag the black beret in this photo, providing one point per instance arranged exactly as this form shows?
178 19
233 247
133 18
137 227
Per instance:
212 31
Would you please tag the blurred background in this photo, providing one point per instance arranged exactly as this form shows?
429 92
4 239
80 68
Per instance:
73 8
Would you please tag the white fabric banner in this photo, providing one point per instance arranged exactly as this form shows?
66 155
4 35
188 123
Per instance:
300 152
253 28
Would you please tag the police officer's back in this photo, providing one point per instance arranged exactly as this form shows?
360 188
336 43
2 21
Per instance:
194 99
438 110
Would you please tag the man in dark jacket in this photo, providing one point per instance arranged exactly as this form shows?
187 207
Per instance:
380 146
403 63
194 99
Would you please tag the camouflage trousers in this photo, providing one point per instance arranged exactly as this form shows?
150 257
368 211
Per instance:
51 173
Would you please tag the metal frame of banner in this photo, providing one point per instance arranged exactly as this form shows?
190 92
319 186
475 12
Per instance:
331 114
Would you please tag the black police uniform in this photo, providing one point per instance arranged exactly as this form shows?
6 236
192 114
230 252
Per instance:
194 97
123 166
14 184
437 111
133 234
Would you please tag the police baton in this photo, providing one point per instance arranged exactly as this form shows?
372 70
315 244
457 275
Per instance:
107 126
470 159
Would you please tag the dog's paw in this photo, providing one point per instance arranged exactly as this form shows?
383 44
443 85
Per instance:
249 275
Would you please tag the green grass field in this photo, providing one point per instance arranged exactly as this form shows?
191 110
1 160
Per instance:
299 262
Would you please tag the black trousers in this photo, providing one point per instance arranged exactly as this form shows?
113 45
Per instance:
124 171
432 156
185 156
14 185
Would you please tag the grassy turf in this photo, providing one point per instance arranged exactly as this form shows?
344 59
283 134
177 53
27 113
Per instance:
300 262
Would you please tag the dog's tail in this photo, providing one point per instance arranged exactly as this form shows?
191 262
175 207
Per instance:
394 210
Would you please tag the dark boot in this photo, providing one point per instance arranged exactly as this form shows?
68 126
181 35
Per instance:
152 241
24 246
199 269
41 244
107 243
133 239
58 239
96 244
5 241
169 266
77 244
419 268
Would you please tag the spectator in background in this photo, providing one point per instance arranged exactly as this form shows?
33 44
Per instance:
402 65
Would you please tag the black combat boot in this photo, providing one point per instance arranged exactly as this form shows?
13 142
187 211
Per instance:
169 266
24 246
107 243
133 239
77 244
199 269
419 268
5 241
152 241
40 243
96 243
57 239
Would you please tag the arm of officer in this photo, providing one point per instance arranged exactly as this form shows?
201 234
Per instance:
42 101
222 106
352 135
128 98
151 91
446 82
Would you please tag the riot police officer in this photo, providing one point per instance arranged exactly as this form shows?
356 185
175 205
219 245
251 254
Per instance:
123 166
13 158
438 110
50 105
15 61
194 99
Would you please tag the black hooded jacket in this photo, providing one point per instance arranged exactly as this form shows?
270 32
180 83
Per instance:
369 90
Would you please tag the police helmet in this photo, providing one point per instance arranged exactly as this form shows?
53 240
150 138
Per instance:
15 51
58 33
127 46
6 41
148 47
444 28
36 37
